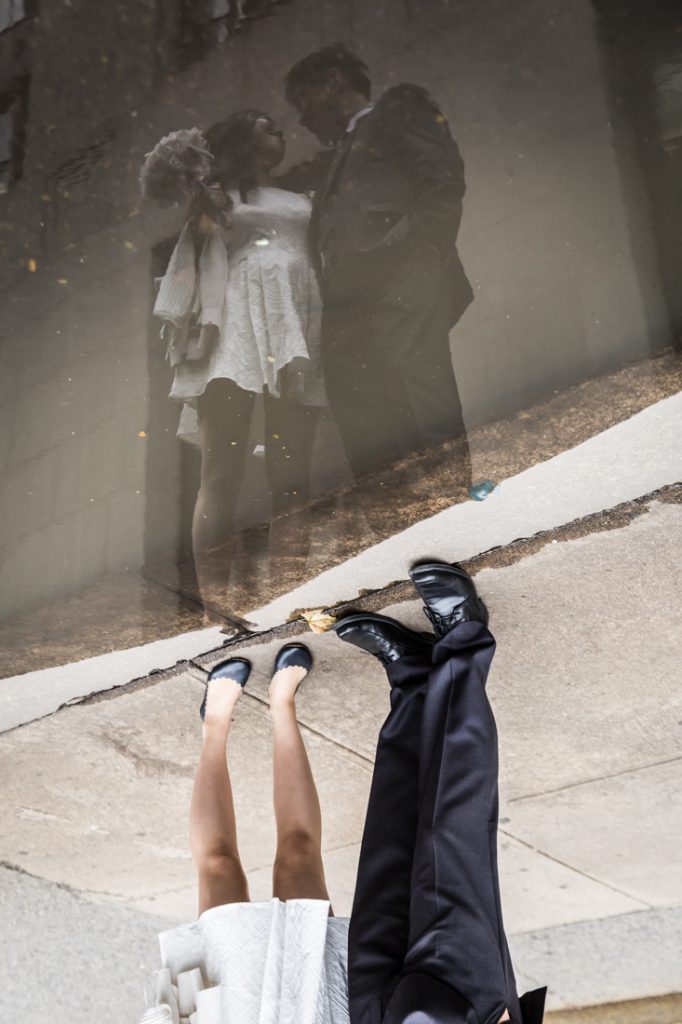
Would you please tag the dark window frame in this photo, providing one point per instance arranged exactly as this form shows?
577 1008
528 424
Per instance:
196 28
14 105
30 11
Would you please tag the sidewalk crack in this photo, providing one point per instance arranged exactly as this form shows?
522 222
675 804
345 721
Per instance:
578 871
597 778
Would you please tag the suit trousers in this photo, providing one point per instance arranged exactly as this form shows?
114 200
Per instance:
427 899
386 356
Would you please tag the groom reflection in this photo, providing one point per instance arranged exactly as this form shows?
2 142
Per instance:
383 231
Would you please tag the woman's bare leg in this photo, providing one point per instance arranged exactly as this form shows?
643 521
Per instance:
225 412
298 872
212 824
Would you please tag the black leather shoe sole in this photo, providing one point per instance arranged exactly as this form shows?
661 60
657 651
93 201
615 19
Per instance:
237 669
352 624
293 656
474 601
433 566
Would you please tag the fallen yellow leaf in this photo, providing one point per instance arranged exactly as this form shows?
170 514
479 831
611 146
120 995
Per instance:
319 621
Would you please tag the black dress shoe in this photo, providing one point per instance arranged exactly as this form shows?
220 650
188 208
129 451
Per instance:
237 669
449 596
293 656
385 638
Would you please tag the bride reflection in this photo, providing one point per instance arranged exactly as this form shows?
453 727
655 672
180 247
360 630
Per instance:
241 312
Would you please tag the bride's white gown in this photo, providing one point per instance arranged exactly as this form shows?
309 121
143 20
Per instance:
275 962
272 309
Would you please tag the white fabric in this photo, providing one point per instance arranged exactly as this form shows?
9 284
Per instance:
277 962
186 296
357 117
178 284
272 310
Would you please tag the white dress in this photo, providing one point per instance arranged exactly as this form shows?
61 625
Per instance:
276 962
272 307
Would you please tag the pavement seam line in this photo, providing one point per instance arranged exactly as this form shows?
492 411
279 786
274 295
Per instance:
579 871
597 778
118 899
359 759
17 869
592 921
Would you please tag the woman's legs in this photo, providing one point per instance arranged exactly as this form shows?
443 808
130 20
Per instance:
212 825
225 412
290 429
298 872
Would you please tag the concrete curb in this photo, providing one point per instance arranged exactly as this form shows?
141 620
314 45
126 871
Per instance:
633 458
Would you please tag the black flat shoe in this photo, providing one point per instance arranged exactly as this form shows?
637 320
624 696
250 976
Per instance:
238 669
449 596
293 656
385 638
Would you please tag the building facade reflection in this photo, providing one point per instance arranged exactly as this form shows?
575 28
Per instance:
569 124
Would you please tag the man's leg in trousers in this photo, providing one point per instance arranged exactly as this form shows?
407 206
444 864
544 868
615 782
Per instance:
290 429
364 392
456 931
433 398
379 924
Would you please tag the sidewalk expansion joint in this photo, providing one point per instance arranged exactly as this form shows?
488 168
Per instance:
578 871
17 869
597 778
356 758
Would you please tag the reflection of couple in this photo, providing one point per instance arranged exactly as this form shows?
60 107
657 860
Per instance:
425 943
380 234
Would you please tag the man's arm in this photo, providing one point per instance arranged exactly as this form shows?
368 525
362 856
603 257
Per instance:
308 175
419 136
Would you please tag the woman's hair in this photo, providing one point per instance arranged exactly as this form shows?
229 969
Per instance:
232 142
182 165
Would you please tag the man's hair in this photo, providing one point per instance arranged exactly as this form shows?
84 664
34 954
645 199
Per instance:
313 71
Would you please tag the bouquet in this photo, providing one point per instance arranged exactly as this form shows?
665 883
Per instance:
178 170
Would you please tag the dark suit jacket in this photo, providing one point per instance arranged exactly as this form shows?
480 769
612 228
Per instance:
421 999
400 164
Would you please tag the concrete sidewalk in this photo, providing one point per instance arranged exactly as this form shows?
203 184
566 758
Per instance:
633 458
585 688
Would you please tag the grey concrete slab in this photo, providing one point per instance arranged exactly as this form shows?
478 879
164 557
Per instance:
612 960
585 682
97 796
541 892
623 831
65 959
